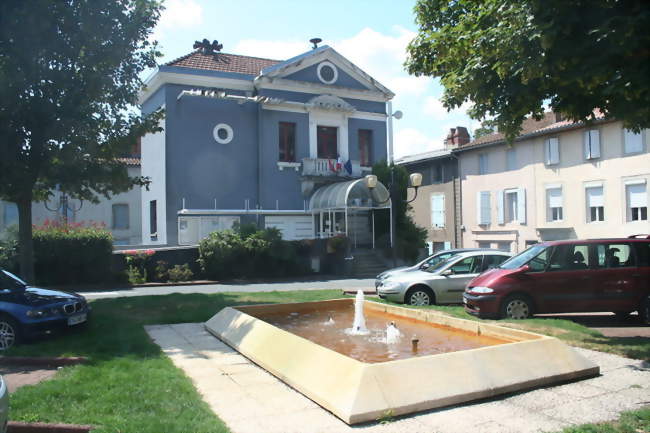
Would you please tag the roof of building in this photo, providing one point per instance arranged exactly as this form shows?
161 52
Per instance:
532 128
424 156
223 62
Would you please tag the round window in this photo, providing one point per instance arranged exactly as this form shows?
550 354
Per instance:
327 73
222 133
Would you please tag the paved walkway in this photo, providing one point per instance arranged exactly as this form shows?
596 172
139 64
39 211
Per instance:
250 400
344 284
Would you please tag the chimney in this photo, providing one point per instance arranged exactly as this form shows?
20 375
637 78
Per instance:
462 136
558 116
449 141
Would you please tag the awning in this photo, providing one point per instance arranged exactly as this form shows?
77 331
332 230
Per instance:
353 194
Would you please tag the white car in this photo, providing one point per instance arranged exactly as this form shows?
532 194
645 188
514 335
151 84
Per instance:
443 283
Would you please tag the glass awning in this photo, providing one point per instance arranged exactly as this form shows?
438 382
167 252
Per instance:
353 194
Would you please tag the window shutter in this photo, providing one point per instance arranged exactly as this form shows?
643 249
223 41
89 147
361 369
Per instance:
637 196
633 141
511 159
595 197
438 210
521 205
592 144
484 207
500 207
552 151
555 197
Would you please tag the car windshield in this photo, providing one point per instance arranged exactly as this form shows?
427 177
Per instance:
436 267
435 259
522 258
10 281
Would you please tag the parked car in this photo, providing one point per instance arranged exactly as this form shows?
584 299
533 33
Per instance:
29 311
432 260
442 283
4 406
565 277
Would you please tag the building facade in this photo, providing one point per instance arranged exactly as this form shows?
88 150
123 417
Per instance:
246 139
559 180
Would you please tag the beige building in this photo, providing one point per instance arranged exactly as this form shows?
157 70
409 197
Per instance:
559 180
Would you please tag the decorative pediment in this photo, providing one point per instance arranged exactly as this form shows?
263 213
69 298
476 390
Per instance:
329 102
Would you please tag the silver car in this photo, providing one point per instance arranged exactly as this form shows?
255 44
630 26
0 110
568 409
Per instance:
4 406
442 283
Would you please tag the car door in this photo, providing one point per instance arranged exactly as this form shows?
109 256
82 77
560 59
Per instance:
615 273
451 282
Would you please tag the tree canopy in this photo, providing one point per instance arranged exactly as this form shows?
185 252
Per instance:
69 74
511 59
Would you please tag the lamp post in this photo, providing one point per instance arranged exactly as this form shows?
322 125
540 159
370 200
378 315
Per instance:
415 181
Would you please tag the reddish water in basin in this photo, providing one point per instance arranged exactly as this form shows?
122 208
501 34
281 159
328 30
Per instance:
433 339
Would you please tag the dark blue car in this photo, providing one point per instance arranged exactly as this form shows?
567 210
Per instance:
27 312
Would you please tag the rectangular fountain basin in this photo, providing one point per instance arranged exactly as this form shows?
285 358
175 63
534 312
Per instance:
456 361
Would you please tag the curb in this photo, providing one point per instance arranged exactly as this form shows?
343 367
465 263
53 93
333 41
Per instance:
38 427
42 361
365 292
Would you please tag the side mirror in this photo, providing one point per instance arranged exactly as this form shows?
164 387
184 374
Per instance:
524 269
447 273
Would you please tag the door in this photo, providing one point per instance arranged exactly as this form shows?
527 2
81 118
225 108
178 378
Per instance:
616 277
326 137
449 288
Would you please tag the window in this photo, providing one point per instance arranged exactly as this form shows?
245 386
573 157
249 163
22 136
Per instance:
554 204
436 173
595 204
365 146
153 218
287 142
222 133
438 210
592 144
614 256
120 216
10 214
470 265
569 257
552 148
483 207
637 202
503 246
484 244
512 205
642 253
511 159
483 163
633 142
327 73
327 137
491 261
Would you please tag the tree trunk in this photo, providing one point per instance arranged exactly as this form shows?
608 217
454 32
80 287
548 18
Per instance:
25 240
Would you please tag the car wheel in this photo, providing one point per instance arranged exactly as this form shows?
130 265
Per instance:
9 332
420 296
517 307
644 311
622 315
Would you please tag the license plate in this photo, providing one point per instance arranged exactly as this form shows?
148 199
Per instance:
75 320
464 300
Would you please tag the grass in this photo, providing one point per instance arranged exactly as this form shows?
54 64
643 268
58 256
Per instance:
129 385
637 421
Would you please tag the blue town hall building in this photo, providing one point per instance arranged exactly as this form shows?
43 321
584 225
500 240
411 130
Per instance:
284 144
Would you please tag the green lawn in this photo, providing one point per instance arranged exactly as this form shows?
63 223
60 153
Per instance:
130 386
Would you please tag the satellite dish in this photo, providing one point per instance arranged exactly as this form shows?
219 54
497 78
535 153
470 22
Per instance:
315 41
398 115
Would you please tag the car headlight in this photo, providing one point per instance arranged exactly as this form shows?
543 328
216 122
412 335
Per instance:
37 313
391 285
481 290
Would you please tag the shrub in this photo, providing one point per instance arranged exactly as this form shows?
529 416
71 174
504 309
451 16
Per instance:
73 253
161 271
137 264
9 250
180 273
249 252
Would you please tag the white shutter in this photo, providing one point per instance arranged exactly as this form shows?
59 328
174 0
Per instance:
595 197
482 163
552 151
637 196
633 141
438 210
483 207
555 197
592 144
521 205
500 207
511 159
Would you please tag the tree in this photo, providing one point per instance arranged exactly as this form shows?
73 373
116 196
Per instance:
409 237
69 74
510 58
487 128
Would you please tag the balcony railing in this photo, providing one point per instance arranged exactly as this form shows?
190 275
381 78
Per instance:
323 167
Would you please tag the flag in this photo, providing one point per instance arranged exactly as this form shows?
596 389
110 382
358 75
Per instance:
331 165
348 167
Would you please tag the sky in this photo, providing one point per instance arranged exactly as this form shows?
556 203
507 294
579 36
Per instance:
371 34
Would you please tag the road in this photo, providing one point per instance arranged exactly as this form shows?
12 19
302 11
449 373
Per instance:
343 284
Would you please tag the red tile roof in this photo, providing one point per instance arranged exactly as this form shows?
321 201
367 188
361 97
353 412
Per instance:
530 126
223 62
131 162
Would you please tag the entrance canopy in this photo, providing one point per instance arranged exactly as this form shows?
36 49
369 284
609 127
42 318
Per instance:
353 194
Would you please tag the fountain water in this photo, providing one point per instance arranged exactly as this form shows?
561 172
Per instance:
392 333
359 324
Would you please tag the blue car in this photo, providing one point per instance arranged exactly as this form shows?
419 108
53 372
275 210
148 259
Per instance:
27 312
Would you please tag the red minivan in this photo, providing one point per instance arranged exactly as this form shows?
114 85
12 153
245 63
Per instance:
566 277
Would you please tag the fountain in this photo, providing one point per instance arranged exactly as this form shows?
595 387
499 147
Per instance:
361 373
